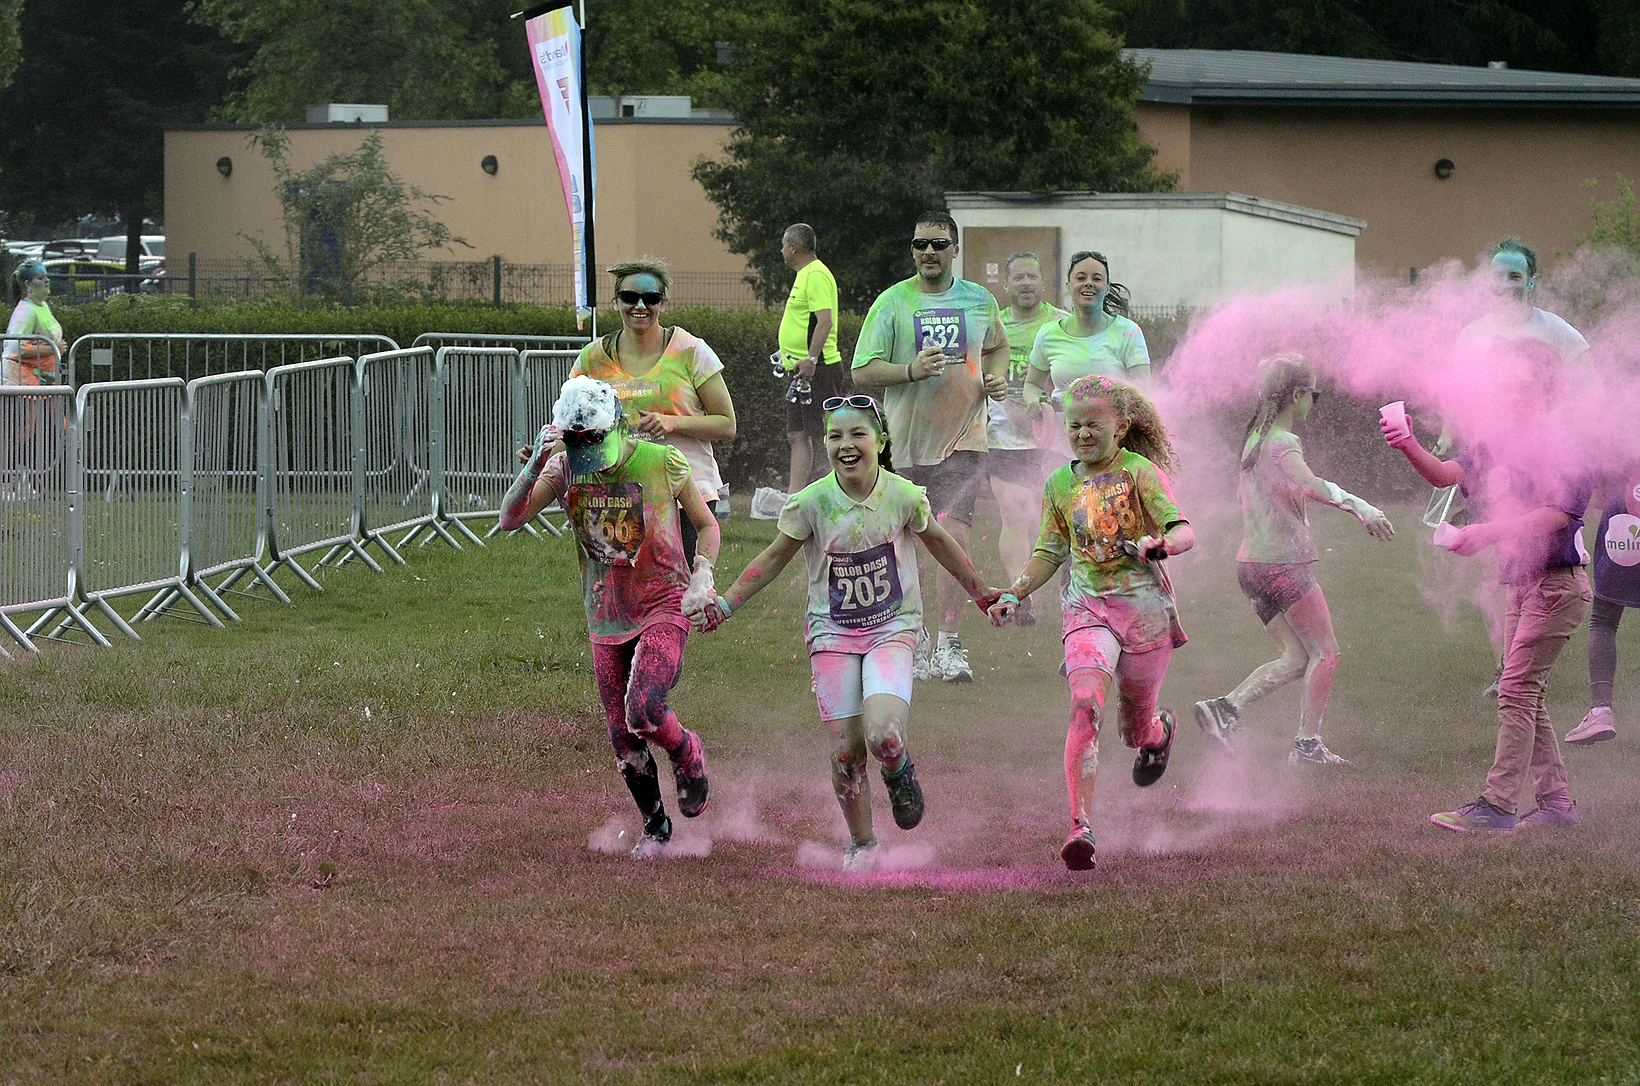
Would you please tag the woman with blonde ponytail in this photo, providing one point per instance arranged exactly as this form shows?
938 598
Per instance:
1274 562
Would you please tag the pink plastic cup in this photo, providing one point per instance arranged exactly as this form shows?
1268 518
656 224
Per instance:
1396 415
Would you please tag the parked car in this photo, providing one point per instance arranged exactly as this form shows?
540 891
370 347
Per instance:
23 250
112 250
74 281
70 249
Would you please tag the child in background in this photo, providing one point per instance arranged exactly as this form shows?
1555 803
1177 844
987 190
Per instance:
1535 520
855 528
1110 513
1273 566
1616 586
623 496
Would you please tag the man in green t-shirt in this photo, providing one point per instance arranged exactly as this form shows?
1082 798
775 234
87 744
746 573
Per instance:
936 346
808 348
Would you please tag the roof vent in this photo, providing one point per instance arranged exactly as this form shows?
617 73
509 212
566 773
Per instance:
1497 65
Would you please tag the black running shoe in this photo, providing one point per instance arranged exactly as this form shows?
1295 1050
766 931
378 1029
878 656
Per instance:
690 773
1151 763
905 796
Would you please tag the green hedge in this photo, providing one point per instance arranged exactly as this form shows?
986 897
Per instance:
1345 446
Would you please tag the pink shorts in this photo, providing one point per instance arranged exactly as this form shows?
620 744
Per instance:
844 680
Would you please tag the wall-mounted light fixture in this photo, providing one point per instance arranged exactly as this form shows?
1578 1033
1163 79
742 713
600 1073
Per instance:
489 164
224 166
1444 168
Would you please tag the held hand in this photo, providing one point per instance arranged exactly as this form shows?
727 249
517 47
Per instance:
995 387
700 591
806 368
1152 548
1396 437
714 614
930 362
1002 611
1471 540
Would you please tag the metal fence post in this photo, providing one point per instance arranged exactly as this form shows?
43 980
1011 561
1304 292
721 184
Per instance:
496 260
193 280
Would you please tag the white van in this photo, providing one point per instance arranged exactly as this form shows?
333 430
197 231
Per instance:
112 250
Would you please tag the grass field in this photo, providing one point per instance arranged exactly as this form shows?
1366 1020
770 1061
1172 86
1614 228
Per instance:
358 840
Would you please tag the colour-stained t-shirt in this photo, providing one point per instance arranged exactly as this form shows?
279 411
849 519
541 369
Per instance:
1542 326
628 540
1275 524
1085 520
1617 543
1499 490
1009 427
670 387
1065 357
814 291
862 560
29 319
931 419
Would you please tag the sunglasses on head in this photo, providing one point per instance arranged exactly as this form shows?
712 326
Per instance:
864 403
649 298
577 438
939 245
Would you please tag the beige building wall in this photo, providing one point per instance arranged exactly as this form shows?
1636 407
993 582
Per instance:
647 201
1515 171
1176 249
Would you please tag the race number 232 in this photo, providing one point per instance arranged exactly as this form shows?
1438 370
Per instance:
865 587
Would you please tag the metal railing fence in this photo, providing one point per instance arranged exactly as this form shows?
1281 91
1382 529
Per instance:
157 486
136 356
436 340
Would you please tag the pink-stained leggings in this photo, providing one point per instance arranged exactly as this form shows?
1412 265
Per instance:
634 679
1094 658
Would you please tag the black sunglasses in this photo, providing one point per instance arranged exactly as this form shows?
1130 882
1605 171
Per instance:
864 403
577 438
1315 393
939 245
649 298
1077 258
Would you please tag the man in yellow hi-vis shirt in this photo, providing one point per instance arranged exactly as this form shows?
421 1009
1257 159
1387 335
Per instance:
808 348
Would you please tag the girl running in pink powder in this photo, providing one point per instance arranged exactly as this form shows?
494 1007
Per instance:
623 497
856 528
1273 566
1110 514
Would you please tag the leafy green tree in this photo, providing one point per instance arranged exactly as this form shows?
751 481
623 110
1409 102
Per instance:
83 132
344 218
658 47
11 40
857 114
1616 221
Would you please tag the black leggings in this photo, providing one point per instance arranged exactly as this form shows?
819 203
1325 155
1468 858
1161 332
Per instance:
1604 617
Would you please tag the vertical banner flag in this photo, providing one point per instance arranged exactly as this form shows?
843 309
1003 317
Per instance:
555 52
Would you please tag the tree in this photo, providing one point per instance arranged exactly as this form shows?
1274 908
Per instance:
424 59
102 80
857 114
344 218
658 47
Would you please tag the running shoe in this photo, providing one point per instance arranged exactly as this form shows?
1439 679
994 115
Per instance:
1313 751
920 666
1151 763
1596 727
1078 850
1218 719
1475 817
1557 810
860 858
690 773
1023 616
905 796
656 833
950 662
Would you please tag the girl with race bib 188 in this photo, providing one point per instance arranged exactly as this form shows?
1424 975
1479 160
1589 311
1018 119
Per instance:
856 528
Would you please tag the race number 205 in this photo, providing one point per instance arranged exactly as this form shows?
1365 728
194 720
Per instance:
865 587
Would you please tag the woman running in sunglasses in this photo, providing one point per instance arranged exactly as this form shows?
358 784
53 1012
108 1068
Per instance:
1274 563
670 382
623 496
1109 517
855 528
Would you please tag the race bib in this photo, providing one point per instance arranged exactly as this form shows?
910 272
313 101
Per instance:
865 587
1105 516
608 521
946 329
1623 540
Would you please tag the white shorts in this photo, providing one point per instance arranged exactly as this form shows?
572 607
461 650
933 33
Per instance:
844 680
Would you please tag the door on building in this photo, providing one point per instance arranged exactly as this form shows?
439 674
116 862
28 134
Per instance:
986 249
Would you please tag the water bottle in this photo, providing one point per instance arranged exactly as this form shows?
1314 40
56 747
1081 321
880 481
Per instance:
777 365
722 510
799 392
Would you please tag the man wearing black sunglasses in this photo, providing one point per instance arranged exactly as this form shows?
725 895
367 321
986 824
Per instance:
936 346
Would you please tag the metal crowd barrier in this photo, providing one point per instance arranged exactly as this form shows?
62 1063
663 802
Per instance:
436 340
478 424
544 374
36 562
128 356
312 410
394 467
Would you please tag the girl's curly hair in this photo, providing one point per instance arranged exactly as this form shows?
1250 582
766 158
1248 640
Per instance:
1145 434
